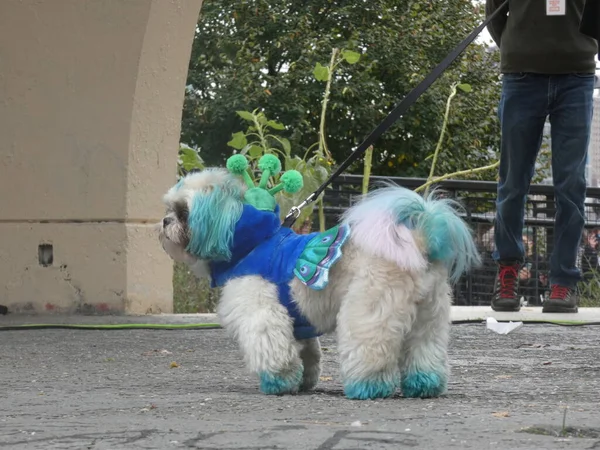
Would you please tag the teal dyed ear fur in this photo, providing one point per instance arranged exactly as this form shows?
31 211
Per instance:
212 221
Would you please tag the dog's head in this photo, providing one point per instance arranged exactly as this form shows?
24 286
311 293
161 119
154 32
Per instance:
203 220
201 212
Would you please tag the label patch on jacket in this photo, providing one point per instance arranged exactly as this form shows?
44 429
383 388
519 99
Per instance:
556 7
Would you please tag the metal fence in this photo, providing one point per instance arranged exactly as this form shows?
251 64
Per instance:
478 198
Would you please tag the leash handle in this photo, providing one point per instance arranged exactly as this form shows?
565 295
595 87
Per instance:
393 116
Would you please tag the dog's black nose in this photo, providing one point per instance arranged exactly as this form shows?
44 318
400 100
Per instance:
167 221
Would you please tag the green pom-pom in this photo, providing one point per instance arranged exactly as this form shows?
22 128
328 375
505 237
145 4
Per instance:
237 164
292 181
270 163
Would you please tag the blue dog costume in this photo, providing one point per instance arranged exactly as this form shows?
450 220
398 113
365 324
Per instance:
261 246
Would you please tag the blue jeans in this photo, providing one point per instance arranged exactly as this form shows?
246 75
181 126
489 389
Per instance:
527 99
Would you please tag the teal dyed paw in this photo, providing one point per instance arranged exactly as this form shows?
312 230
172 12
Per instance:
423 385
369 389
278 384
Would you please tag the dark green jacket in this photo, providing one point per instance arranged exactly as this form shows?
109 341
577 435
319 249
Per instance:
531 41
590 21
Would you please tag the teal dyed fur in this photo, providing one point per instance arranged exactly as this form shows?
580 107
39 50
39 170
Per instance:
448 237
275 384
212 220
423 385
369 389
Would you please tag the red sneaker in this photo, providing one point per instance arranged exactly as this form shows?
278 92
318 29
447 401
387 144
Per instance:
506 287
562 300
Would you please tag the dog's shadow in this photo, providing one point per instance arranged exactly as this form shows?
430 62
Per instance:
339 393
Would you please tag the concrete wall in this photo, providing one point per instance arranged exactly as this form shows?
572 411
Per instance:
91 93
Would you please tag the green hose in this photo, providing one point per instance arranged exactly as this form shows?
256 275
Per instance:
118 326
216 326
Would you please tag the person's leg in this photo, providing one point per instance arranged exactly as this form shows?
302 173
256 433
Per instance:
522 111
571 117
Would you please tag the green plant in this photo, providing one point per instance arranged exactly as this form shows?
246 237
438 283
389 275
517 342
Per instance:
254 53
563 431
368 161
188 159
431 179
260 138
589 290
190 294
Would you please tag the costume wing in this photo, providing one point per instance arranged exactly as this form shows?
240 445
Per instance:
319 255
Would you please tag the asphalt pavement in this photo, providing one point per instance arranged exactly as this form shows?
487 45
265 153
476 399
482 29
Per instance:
536 388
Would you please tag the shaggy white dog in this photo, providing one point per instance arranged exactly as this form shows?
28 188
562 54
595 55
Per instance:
383 286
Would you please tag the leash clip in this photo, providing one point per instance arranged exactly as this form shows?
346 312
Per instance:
295 211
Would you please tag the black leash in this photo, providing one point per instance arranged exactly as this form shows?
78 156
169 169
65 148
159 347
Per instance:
392 117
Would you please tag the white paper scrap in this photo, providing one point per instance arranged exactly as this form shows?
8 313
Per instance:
502 327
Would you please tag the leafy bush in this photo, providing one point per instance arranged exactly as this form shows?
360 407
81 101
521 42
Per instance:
191 295
252 53
589 290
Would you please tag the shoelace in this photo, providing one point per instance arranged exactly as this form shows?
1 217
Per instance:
508 277
559 292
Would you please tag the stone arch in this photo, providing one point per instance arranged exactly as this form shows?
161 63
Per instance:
91 94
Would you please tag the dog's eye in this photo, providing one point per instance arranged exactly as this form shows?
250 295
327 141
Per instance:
181 212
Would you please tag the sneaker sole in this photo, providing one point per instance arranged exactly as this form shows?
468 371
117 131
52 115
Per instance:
506 308
559 309
506 305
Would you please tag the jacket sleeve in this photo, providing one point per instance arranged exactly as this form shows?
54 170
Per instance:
496 26
590 20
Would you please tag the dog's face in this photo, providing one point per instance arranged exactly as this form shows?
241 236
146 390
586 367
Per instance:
201 212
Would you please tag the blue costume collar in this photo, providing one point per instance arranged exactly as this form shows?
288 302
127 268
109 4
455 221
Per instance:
253 228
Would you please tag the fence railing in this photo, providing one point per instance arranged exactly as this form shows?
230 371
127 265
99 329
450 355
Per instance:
478 198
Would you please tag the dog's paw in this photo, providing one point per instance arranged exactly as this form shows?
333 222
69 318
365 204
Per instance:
281 383
309 383
310 377
369 389
423 385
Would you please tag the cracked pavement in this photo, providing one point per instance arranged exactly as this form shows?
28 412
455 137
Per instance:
72 389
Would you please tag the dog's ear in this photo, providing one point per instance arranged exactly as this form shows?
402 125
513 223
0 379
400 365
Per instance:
212 219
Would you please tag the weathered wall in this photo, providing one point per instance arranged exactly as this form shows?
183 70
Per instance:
91 94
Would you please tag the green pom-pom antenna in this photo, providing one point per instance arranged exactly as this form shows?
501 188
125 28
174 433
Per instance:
291 182
258 196
238 165
270 167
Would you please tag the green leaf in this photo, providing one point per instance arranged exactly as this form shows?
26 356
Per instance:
287 147
189 159
465 87
350 56
261 118
322 173
255 151
238 140
244 151
321 73
275 125
293 163
246 115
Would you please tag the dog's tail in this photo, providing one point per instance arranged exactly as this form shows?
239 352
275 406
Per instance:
401 225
